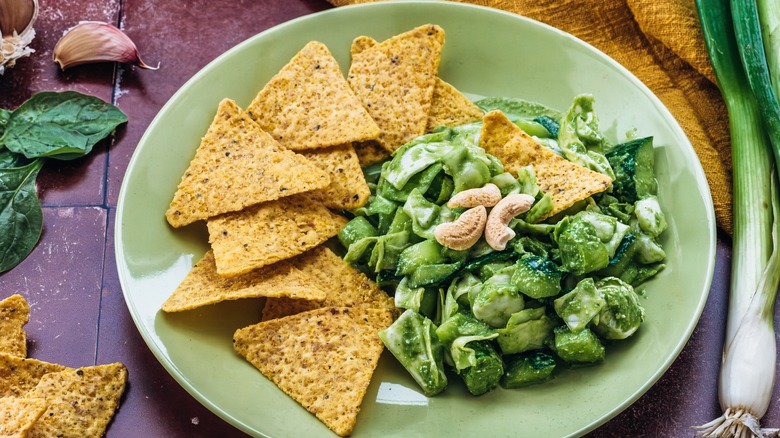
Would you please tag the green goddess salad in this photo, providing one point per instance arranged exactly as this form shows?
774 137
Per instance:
508 305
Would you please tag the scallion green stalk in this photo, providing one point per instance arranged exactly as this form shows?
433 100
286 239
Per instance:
749 354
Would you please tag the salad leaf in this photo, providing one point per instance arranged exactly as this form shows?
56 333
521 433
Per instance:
579 138
63 125
20 213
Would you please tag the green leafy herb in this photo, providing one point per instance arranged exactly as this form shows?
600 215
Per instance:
63 125
20 213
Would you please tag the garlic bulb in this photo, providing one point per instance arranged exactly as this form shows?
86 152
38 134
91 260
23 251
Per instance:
16 30
94 41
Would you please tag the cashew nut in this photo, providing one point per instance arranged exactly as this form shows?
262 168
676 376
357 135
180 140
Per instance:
464 232
497 231
489 195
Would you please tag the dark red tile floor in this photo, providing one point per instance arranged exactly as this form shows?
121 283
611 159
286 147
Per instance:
78 312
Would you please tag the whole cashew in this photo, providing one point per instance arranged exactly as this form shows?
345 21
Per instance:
497 231
464 232
488 195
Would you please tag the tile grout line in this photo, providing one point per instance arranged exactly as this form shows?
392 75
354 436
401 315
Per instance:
115 79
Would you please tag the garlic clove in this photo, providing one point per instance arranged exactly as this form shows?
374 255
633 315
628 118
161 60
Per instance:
94 41
17 16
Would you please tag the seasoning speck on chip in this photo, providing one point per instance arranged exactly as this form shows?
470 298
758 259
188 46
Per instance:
14 314
566 182
269 232
309 104
323 359
238 165
203 286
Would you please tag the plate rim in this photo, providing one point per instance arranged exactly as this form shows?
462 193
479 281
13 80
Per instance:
172 369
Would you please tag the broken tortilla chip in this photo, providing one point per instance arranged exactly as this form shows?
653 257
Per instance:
566 182
344 286
309 104
14 314
394 80
238 165
81 402
348 188
18 414
269 232
203 286
19 375
323 359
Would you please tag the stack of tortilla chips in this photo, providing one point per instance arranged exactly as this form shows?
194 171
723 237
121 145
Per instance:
266 180
40 399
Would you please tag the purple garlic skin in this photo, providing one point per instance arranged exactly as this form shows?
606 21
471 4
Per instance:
94 41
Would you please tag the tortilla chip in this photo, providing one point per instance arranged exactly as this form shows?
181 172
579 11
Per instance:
269 232
394 80
566 182
448 106
348 188
369 152
238 165
203 286
309 104
19 375
344 286
81 401
17 415
323 359
14 314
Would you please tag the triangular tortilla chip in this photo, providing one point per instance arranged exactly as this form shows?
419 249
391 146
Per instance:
18 414
323 359
348 188
81 401
309 104
344 286
238 165
14 314
394 80
203 286
269 232
450 108
369 152
19 375
566 182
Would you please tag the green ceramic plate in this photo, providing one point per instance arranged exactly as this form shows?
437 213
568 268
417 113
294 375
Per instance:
487 53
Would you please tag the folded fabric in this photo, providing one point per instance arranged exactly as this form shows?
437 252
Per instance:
661 43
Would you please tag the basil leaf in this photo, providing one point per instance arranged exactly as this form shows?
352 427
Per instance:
20 213
63 125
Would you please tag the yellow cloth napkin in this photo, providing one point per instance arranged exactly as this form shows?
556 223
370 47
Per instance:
661 43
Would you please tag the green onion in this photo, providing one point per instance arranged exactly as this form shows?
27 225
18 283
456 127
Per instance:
749 354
